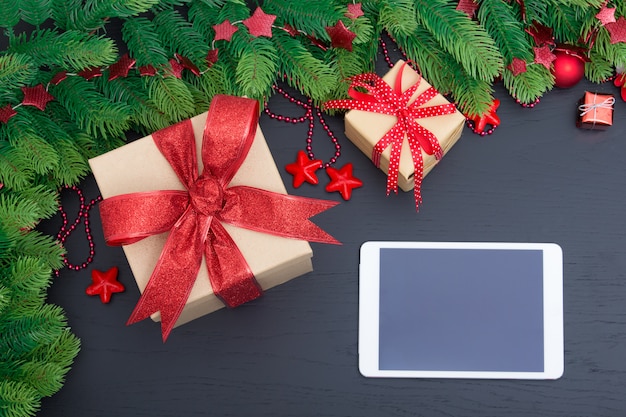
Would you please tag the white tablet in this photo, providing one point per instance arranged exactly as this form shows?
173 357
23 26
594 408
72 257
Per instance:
461 310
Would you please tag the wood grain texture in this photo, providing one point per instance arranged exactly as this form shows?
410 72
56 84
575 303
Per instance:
294 351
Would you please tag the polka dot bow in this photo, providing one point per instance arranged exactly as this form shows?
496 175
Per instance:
380 97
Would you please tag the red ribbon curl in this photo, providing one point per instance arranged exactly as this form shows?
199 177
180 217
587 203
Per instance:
194 217
382 98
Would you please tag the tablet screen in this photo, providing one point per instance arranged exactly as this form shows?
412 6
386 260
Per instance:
475 310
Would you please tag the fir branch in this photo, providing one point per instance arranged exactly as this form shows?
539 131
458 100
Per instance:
45 198
70 50
27 274
467 42
64 12
16 71
35 12
256 66
44 376
599 69
396 16
61 351
311 17
614 53
506 30
529 85
179 36
18 213
567 28
10 15
96 13
5 299
15 172
143 43
211 82
536 10
36 244
170 96
18 399
203 16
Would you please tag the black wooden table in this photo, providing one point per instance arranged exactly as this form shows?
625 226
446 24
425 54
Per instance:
293 352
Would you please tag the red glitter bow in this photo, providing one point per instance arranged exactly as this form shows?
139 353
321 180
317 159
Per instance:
382 98
194 217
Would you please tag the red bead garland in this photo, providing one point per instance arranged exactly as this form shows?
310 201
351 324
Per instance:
309 115
67 229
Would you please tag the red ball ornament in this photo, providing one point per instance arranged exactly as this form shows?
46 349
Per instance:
569 68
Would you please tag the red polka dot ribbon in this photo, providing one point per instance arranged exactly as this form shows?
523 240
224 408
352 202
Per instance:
381 98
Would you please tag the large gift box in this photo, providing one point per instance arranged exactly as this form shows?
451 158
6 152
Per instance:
140 167
373 115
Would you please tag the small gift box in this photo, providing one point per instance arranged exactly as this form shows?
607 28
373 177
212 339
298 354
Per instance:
595 111
409 115
233 221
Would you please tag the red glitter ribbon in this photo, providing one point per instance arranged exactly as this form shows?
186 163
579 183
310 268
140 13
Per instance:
194 217
382 98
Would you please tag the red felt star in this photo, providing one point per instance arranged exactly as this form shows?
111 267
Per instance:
488 118
517 66
147 70
176 68
606 15
544 55
354 11
303 170
467 6
104 284
224 31
121 67
6 113
260 23
541 34
617 30
36 96
340 36
211 57
342 180
90 73
186 63
58 78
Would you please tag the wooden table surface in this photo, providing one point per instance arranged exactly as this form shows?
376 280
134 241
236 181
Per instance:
293 352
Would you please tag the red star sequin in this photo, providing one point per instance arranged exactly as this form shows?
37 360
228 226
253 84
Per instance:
147 70
617 30
6 113
488 118
340 36
36 96
58 78
606 15
541 34
354 11
224 31
186 63
176 68
343 181
260 23
467 6
517 66
90 73
121 67
104 284
303 170
544 55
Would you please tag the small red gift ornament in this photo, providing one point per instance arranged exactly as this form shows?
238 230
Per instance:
595 111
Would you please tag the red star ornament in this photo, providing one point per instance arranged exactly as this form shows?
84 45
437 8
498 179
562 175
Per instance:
147 70
354 11
224 31
343 181
6 113
468 7
36 96
303 170
58 78
104 284
541 34
617 30
211 57
121 67
606 15
260 23
176 68
186 63
544 55
517 66
620 81
90 73
488 118
340 36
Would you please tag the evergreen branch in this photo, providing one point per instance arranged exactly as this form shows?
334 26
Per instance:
179 36
36 244
256 67
35 12
529 85
18 399
25 138
70 50
396 16
45 198
144 45
15 172
170 96
599 69
96 13
44 376
10 15
27 274
467 42
18 213
508 32
211 82
312 16
16 70
61 351
536 10
203 16
64 12
5 300
567 28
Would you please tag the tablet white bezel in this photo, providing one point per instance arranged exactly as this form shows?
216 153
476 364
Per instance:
369 287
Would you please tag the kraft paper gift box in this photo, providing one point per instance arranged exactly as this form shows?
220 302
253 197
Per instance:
365 129
139 166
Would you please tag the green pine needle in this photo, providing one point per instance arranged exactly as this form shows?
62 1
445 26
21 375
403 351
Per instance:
36 244
396 16
179 36
18 399
35 12
507 31
16 71
257 67
170 96
529 85
143 43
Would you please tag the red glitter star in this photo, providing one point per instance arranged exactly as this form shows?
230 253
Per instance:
36 96
211 57
176 68
121 67
606 15
104 284
260 23
617 30
224 31
186 63
340 36
544 56
342 180
541 34
488 118
354 11
90 73
467 6
303 170
58 78
147 70
6 113
517 67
